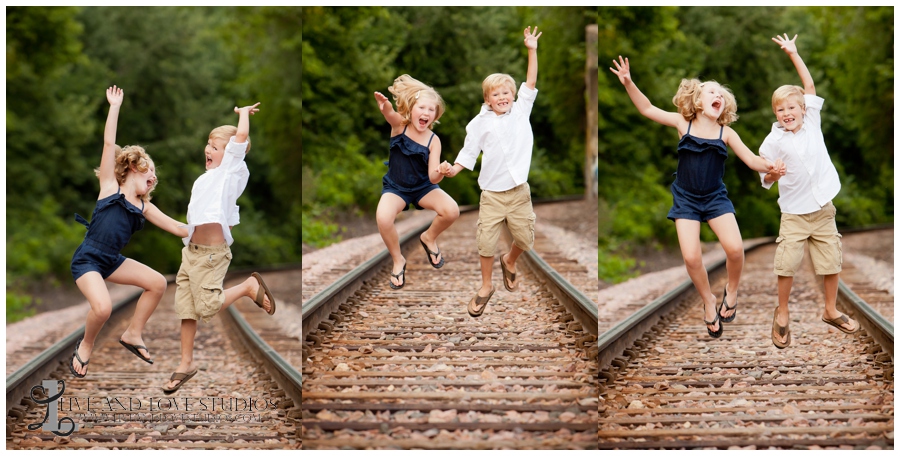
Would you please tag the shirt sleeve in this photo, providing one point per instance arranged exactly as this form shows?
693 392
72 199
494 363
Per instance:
769 151
813 110
472 145
525 100
234 155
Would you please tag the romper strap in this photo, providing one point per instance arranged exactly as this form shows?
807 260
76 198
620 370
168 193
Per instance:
721 128
689 126
404 130
81 220
429 140
142 201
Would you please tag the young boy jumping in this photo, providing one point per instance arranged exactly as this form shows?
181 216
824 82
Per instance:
808 182
212 212
503 132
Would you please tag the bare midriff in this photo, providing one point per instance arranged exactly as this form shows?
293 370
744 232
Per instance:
208 234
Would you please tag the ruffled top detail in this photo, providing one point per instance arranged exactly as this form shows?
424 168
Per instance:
113 221
701 164
408 163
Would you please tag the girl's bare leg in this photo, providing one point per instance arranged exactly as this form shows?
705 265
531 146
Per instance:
154 284
689 241
726 229
388 207
447 213
94 289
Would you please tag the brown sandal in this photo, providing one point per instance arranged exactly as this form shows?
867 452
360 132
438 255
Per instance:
508 276
181 377
263 290
781 331
479 303
838 323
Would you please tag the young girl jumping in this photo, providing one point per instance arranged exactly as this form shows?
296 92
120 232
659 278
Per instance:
413 171
127 177
705 109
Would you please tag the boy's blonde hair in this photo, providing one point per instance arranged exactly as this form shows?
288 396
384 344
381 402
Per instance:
128 157
496 80
407 91
786 91
687 100
225 132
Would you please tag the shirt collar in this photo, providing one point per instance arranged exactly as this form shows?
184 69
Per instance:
780 132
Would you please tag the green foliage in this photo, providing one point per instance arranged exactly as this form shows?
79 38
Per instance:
849 52
349 53
183 69
18 307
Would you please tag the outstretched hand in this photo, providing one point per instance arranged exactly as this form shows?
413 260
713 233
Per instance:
248 109
622 70
381 99
787 45
114 96
531 40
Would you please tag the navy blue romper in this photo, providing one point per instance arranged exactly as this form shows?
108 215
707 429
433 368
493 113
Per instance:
698 192
407 175
113 222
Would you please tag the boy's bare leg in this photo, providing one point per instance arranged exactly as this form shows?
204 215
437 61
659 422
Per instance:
447 212
188 333
388 207
94 289
154 284
487 264
509 259
689 241
726 229
247 288
782 314
831 289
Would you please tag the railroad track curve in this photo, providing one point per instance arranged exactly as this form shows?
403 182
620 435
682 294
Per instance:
246 394
666 384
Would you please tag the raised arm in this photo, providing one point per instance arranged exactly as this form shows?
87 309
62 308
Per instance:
387 110
641 102
531 42
789 46
114 96
753 161
158 218
243 126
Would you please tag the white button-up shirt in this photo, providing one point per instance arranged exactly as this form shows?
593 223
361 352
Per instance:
811 180
506 141
215 193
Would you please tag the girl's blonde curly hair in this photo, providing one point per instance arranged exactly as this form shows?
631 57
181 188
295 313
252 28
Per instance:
687 100
407 91
128 157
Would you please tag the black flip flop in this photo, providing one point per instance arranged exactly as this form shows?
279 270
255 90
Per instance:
728 308
134 349
715 334
397 276
432 254
72 361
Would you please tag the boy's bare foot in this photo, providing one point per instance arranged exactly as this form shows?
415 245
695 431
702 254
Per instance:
253 287
183 368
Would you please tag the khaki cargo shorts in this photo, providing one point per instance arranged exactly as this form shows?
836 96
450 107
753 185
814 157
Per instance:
200 293
512 207
816 229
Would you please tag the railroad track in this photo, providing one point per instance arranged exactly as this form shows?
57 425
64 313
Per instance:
411 368
250 394
666 384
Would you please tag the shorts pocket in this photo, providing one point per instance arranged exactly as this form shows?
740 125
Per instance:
211 299
779 253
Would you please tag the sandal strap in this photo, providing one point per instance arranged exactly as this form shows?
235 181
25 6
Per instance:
179 375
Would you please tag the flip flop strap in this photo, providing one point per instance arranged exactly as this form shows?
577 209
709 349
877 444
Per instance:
179 376
781 330
83 363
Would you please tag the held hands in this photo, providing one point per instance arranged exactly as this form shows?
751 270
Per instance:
114 96
247 109
787 45
531 40
446 169
777 170
622 70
